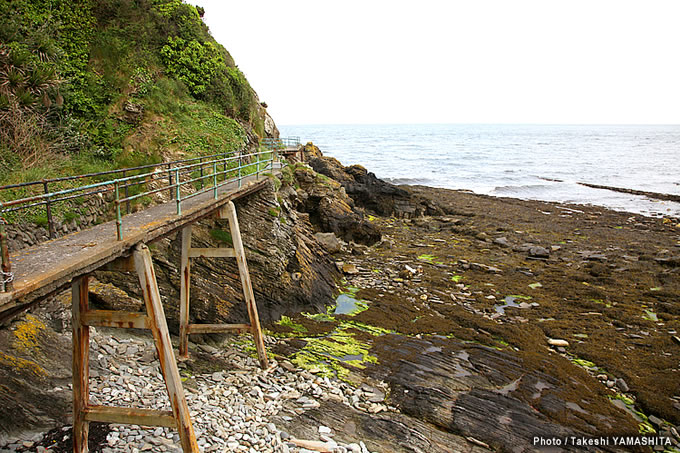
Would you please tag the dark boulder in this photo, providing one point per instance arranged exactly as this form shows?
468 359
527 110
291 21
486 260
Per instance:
374 194
329 207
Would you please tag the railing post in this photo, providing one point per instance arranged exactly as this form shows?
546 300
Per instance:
178 198
127 202
6 276
48 209
239 168
172 193
257 166
119 218
200 161
215 180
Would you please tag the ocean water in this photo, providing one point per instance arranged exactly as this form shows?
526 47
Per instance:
536 162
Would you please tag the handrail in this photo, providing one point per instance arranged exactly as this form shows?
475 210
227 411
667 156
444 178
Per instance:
281 142
228 167
108 172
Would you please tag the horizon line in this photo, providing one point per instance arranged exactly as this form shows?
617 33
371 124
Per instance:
476 124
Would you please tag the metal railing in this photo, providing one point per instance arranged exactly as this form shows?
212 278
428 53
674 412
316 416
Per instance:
207 173
280 143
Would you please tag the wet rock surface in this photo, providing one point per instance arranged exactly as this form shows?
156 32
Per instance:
489 394
512 319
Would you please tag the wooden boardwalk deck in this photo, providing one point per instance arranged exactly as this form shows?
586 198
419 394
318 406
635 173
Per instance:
48 267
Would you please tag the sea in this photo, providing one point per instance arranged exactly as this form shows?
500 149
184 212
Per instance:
533 162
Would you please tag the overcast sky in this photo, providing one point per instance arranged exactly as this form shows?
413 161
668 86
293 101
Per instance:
473 61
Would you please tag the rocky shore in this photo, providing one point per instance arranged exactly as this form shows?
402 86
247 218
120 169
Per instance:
402 319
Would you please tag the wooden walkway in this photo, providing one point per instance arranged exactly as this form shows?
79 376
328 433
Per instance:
51 266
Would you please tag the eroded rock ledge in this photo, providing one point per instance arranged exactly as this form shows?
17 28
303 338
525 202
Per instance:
373 194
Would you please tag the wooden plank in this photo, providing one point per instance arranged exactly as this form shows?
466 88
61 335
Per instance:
121 264
184 293
247 285
220 252
110 318
159 328
217 328
130 415
81 364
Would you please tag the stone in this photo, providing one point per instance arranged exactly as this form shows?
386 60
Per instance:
485 268
622 385
350 269
330 209
656 421
539 252
502 241
329 241
558 342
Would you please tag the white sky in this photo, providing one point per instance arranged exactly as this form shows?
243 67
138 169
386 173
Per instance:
473 61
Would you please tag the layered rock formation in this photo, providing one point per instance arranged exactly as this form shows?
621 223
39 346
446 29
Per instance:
329 207
374 194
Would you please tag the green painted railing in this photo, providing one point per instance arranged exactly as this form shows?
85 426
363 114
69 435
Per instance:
281 143
207 173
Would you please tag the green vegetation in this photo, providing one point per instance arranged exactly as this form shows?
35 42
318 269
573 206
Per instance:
650 316
221 236
328 355
644 426
319 317
426 257
295 327
93 86
584 363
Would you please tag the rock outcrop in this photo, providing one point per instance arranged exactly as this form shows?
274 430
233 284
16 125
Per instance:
311 151
374 194
477 391
35 369
329 207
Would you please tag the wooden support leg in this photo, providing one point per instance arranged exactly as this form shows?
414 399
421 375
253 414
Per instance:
185 282
247 286
81 372
159 328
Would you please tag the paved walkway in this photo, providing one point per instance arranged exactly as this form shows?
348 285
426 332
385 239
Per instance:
50 266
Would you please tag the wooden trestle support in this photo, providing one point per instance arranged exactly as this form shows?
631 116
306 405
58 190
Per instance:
228 212
154 320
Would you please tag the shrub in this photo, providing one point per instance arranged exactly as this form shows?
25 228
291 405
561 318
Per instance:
193 63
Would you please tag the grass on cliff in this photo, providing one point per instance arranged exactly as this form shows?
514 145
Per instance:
130 83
